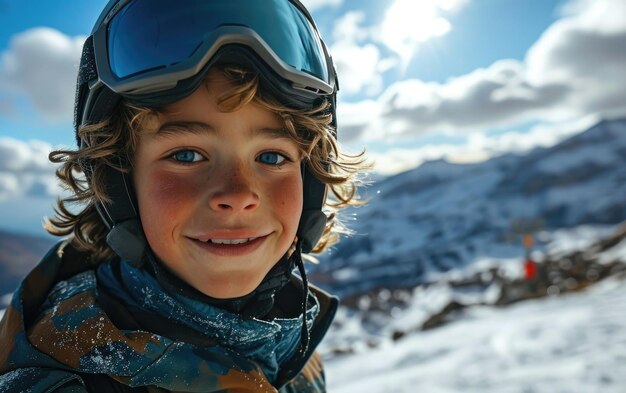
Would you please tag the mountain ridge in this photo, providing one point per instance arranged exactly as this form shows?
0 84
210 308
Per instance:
443 215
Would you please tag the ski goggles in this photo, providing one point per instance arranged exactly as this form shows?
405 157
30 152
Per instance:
149 46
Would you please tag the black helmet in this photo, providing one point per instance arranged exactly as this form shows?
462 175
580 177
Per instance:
155 52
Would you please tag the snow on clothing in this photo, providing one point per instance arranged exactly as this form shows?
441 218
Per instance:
67 328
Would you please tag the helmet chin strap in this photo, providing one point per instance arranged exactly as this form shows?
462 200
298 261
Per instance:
305 335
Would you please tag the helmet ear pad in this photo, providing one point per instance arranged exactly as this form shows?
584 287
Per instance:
121 215
312 224
313 220
128 241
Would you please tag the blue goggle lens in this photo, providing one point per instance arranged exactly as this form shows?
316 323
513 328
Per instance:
148 35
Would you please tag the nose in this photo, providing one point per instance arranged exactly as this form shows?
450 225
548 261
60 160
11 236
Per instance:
235 192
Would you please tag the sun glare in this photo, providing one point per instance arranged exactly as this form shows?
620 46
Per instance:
410 22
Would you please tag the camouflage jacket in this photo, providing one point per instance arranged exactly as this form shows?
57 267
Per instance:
85 341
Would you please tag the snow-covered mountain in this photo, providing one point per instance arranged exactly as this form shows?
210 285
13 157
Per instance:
443 215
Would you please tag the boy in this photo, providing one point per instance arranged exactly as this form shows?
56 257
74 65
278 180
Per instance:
206 145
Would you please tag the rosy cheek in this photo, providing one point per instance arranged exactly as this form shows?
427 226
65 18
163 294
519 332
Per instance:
165 201
287 195
168 191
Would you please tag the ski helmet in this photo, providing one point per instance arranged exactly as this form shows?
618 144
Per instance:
155 52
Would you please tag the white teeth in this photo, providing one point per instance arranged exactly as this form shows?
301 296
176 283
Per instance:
231 241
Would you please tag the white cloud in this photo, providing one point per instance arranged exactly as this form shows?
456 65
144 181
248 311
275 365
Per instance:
541 135
9 186
479 146
313 5
19 156
356 48
41 64
354 118
585 50
25 170
357 67
399 160
408 23
575 69
484 98
348 27
358 64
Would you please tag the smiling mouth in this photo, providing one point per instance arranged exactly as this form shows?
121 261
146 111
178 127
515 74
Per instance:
230 247
231 241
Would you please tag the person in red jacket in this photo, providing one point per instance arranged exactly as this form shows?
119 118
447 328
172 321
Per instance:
530 269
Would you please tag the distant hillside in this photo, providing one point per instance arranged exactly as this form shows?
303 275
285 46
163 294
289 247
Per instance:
442 216
18 254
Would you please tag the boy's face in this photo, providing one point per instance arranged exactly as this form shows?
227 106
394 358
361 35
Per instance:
220 194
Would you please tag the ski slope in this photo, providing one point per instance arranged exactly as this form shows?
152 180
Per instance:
570 343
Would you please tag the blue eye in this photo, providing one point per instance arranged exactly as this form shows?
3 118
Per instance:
187 156
271 158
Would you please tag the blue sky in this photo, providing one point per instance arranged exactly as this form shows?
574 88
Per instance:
461 80
485 31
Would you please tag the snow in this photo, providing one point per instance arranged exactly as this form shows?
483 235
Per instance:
570 343
567 240
615 253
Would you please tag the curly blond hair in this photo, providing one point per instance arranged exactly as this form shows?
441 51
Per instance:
115 139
